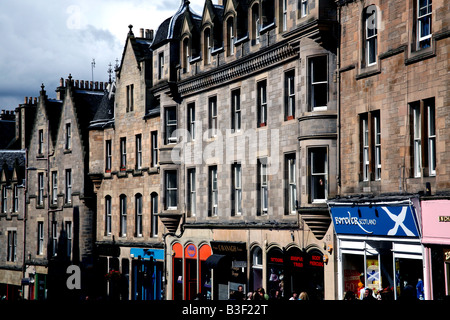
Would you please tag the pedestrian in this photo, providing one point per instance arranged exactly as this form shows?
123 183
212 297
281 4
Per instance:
368 295
304 296
294 296
259 294
250 295
349 295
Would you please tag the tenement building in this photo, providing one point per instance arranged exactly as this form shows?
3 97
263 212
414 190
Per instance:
12 222
247 147
60 202
124 141
394 181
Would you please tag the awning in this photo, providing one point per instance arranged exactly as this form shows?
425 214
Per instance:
215 260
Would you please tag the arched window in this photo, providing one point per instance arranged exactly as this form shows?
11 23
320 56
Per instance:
138 214
370 35
123 215
108 216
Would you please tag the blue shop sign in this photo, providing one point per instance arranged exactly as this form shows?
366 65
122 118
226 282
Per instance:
393 221
145 254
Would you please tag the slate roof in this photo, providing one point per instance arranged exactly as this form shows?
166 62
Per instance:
8 159
171 27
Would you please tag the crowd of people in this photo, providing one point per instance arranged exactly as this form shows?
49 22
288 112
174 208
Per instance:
261 295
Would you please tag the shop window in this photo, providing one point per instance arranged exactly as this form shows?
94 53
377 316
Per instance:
318 165
257 269
275 271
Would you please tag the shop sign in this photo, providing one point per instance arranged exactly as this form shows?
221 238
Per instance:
375 220
316 261
224 247
444 218
191 251
147 254
297 262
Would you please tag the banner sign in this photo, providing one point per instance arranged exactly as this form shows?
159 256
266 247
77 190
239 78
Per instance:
393 221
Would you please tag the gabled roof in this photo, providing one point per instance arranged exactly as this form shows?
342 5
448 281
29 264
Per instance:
10 160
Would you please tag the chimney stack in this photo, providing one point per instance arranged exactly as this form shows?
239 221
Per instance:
149 34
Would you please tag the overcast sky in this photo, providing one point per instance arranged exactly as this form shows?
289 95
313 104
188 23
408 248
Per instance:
42 41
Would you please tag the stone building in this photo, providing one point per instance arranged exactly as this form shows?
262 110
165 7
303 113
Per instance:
12 222
247 151
123 138
60 202
394 104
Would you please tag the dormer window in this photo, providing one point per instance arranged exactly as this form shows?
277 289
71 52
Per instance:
230 36
256 24
186 55
207 47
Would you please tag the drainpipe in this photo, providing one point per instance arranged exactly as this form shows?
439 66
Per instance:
25 216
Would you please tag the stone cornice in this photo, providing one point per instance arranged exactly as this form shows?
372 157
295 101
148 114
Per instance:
240 68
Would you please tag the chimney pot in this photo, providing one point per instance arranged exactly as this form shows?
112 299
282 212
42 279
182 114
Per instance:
141 32
26 100
77 82
149 34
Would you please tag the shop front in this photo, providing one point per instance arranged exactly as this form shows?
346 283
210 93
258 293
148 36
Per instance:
191 278
147 269
436 240
229 268
295 270
379 247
